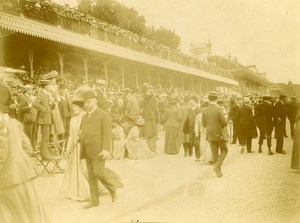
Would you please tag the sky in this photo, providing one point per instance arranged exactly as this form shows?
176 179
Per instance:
265 33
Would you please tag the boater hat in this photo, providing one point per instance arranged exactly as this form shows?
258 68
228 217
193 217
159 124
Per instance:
213 95
266 97
101 82
282 96
49 76
44 82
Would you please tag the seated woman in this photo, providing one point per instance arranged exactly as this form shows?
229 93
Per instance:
118 139
135 147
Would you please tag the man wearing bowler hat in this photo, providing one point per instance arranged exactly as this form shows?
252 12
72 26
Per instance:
96 142
280 120
215 122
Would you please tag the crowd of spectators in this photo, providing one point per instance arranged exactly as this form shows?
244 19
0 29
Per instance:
71 19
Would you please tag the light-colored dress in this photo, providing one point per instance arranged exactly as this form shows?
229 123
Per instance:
75 182
172 121
19 201
135 147
118 143
58 125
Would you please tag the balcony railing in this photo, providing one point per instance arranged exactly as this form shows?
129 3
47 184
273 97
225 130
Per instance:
72 20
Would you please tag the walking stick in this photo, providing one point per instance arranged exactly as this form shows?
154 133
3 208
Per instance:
77 165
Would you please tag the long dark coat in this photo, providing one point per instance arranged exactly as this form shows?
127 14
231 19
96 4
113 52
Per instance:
246 125
44 108
264 115
151 115
96 134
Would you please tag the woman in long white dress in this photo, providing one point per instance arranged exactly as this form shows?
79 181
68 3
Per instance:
75 184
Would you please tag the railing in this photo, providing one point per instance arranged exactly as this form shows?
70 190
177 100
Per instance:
81 27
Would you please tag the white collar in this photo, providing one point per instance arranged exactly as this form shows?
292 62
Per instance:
92 110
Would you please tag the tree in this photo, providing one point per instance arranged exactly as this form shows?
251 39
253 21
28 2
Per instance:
119 15
164 36
85 6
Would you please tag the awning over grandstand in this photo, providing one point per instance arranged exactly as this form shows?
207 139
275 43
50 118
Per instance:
37 29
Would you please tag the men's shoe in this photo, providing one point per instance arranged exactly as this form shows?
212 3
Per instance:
218 171
250 151
282 152
113 196
197 160
210 162
90 205
186 155
233 142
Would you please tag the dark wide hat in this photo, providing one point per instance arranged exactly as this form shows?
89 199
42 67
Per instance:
89 94
78 101
294 98
282 96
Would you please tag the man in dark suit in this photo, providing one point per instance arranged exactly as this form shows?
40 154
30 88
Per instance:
214 120
65 107
96 142
291 110
233 116
44 103
194 110
280 120
28 114
264 114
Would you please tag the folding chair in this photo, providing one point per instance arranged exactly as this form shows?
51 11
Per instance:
58 149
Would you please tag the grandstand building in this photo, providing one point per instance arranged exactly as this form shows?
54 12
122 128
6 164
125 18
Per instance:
46 36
